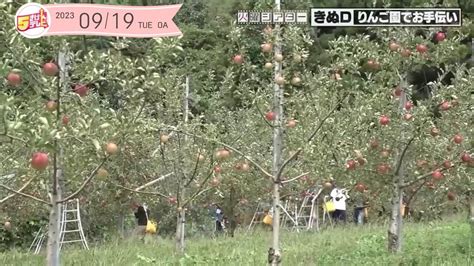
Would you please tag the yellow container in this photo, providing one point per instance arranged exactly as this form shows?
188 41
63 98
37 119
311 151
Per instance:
329 206
268 220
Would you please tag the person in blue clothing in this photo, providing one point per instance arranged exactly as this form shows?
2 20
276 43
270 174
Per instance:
219 218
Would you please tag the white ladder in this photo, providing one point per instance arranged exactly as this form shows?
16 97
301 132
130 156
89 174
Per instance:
257 216
71 215
289 216
308 218
39 239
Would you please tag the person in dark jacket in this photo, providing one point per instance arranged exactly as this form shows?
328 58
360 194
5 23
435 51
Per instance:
142 220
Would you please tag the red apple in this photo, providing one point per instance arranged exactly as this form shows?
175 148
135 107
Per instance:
268 65
385 153
81 90
51 106
8 225
440 36
14 79
383 168
351 165
278 57
164 138
200 157
102 172
437 175
374 144
245 167
372 64
111 148
217 169
65 120
50 69
451 196
291 123
466 157
384 120
447 164
215 182
279 80
434 131
393 46
458 138
238 59
295 81
407 116
421 48
39 161
327 185
408 105
405 53
360 187
270 116
445 105
225 153
266 47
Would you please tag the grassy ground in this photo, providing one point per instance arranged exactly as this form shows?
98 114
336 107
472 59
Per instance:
441 243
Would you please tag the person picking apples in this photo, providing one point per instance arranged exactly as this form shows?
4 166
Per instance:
339 197
142 219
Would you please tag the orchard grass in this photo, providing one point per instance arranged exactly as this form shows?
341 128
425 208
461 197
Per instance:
438 243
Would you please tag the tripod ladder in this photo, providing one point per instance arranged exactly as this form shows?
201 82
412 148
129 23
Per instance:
71 215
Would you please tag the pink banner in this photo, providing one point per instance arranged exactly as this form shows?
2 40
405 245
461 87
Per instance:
34 20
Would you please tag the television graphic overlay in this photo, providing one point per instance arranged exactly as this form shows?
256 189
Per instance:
33 20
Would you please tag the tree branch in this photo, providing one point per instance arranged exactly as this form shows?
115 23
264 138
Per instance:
294 178
400 160
424 176
230 148
21 189
142 192
89 178
25 195
311 136
195 195
153 182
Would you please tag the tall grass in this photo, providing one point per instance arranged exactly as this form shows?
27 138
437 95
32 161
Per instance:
439 243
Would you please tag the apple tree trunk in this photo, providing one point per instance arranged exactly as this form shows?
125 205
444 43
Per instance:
274 253
395 229
396 219
58 186
179 239
52 256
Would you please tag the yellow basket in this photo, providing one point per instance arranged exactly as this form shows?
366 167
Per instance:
151 227
329 206
268 220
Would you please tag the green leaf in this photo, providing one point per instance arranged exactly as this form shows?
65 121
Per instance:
44 121
96 144
105 125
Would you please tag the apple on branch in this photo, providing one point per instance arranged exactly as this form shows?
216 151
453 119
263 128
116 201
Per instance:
13 79
238 59
50 69
39 160
111 148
